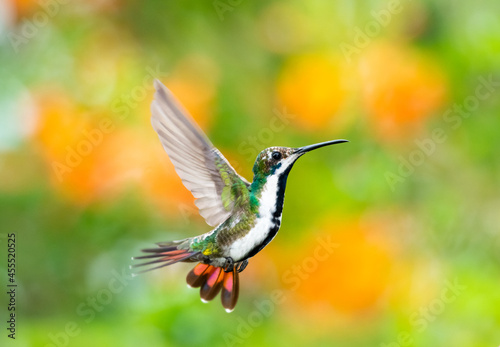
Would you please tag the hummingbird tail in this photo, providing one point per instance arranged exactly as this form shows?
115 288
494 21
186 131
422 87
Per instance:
165 255
211 280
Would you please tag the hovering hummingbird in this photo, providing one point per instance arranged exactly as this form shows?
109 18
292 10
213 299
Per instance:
245 216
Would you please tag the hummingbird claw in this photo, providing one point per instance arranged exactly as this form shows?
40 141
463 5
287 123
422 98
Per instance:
242 265
229 266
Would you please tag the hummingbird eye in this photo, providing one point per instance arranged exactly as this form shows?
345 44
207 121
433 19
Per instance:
276 155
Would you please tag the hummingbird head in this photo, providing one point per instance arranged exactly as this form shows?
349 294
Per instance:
279 160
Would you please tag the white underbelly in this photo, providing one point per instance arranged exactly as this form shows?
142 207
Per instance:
241 247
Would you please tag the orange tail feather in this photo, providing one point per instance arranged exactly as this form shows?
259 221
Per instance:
230 290
198 275
212 280
212 285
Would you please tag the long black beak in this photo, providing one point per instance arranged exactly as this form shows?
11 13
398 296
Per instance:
306 149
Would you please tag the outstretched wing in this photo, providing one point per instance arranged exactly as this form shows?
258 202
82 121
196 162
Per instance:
202 168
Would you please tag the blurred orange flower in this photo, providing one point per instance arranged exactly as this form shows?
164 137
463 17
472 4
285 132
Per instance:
400 88
348 268
313 88
121 161
59 136
133 158
25 7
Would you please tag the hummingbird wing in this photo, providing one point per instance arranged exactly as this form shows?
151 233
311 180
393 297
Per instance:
202 168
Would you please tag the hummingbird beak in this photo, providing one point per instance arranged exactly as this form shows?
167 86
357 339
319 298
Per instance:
306 149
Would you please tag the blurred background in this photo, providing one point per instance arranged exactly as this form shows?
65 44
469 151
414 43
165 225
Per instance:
389 240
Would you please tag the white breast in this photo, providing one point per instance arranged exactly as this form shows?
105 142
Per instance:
264 223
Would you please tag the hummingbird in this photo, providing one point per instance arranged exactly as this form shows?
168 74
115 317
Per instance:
245 216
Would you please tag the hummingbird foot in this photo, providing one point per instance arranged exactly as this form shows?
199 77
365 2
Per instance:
229 265
242 265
